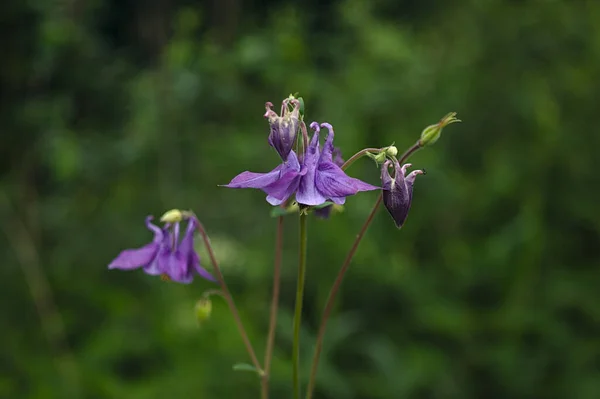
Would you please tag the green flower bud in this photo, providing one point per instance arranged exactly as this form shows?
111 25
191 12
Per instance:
432 133
203 309
172 216
391 151
381 157
378 157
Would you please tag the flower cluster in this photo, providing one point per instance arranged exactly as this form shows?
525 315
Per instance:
165 255
314 177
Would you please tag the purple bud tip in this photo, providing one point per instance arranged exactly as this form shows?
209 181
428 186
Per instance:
327 126
315 126
269 112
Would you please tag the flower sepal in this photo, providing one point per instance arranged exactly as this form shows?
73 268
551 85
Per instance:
277 211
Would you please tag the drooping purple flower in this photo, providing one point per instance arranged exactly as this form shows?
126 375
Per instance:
165 256
284 128
397 191
182 262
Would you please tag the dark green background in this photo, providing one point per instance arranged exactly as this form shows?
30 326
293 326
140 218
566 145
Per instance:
113 110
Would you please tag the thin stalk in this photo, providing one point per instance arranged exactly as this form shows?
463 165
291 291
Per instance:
229 299
331 298
298 311
340 277
274 306
415 147
358 155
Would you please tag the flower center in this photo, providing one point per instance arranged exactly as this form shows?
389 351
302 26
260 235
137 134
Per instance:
165 277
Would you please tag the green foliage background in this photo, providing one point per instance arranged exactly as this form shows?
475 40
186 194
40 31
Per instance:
113 110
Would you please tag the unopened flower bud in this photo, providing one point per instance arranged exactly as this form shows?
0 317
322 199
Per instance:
203 309
284 128
391 151
378 157
381 157
432 133
172 216
397 190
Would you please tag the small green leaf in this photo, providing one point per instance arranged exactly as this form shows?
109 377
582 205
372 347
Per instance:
279 211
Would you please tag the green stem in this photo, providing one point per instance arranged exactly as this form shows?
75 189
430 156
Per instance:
229 299
331 298
415 147
340 277
298 311
359 155
274 306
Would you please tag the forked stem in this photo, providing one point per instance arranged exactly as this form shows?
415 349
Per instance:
340 277
331 298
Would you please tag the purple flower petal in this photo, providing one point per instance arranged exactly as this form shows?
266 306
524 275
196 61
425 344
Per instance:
174 263
192 258
165 261
283 188
327 153
255 180
179 271
331 181
134 258
153 268
195 262
279 184
323 213
184 261
307 193
338 200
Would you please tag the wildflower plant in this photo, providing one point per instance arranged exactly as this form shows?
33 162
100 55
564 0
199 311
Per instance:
309 179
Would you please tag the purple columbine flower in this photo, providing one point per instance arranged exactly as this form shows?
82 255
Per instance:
397 191
165 256
315 181
284 128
